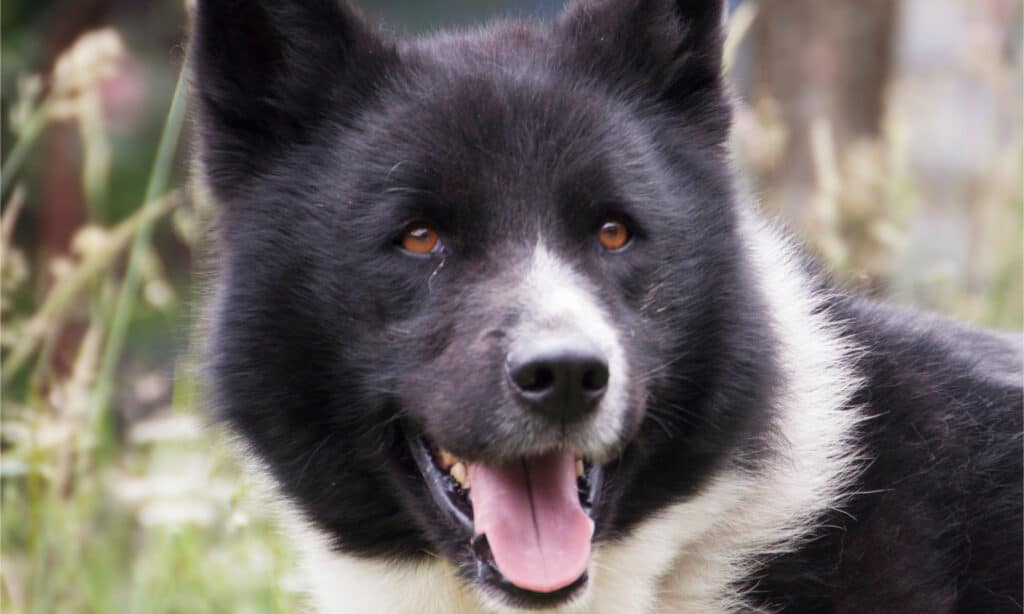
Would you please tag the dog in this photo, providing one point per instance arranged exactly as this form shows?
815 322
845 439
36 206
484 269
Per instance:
491 311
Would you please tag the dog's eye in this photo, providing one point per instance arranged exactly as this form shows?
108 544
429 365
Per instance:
614 235
420 238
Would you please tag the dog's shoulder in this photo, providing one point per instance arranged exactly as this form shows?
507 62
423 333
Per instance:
934 520
939 348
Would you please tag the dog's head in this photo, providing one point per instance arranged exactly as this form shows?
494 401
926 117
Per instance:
473 286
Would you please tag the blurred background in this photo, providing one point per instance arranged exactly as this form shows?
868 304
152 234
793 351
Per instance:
887 134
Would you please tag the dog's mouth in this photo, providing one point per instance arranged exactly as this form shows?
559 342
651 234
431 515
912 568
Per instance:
527 521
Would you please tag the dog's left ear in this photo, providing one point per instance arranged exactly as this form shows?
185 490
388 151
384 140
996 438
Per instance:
670 50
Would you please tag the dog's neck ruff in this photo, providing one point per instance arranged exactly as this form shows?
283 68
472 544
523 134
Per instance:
694 555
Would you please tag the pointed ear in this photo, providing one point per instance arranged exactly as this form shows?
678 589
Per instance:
670 50
264 73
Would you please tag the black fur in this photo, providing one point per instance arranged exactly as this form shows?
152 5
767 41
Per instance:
322 140
937 526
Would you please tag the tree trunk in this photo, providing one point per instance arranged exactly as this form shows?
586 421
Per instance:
822 60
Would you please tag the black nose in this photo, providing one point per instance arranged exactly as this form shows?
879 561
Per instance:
560 377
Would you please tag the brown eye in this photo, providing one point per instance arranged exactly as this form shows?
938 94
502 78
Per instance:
613 235
420 239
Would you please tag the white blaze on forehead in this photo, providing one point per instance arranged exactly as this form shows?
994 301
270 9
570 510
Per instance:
555 299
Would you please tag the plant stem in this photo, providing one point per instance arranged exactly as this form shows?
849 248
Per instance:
60 297
10 217
33 127
739 26
158 180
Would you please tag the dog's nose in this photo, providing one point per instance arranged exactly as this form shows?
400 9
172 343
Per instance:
562 378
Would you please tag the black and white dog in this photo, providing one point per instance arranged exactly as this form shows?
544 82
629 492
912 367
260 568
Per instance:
490 311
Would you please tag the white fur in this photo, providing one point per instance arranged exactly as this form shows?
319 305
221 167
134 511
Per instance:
553 298
688 558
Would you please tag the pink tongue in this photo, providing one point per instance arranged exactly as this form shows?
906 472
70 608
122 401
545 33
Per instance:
530 511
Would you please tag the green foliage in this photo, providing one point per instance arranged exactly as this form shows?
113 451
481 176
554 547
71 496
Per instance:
103 511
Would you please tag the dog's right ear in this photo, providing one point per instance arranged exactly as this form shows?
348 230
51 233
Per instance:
265 72
668 50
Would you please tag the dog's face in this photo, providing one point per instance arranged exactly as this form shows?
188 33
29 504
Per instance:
480 295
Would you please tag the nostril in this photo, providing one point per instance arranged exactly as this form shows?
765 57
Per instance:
560 377
595 377
534 377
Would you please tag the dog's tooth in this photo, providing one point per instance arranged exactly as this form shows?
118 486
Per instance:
460 474
446 458
579 468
